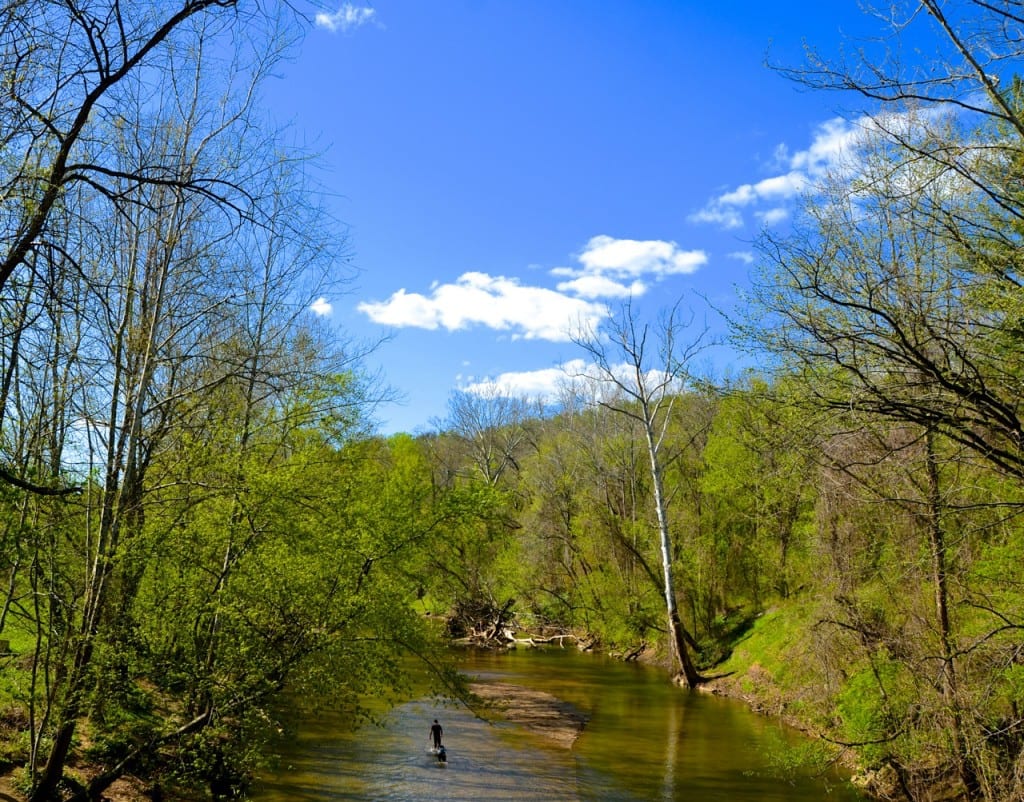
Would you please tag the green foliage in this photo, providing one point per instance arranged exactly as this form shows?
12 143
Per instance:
868 708
1012 681
772 644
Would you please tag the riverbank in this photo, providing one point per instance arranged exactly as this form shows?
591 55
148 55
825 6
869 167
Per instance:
769 669
125 789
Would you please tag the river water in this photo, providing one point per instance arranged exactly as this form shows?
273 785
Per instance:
645 740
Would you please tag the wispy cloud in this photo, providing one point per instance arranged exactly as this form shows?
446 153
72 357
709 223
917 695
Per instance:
743 256
831 151
345 18
497 302
771 217
836 151
717 214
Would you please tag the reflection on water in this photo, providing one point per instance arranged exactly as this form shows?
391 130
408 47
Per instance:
646 740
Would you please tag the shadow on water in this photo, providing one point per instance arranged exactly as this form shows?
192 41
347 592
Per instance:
645 740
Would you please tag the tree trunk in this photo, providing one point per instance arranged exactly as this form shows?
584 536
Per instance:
53 772
937 544
675 626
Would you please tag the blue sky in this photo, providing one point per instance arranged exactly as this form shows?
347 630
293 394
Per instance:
508 169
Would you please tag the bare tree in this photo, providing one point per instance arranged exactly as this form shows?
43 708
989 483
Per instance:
492 426
882 300
876 296
62 67
962 90
73 73
644 372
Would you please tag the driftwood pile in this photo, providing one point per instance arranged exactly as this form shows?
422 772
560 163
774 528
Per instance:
482 622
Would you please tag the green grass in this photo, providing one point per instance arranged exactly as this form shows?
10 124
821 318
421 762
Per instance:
21 641
776 666
768 643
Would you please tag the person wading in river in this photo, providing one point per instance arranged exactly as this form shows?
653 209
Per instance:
435 733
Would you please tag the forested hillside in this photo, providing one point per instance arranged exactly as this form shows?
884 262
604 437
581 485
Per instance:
861 577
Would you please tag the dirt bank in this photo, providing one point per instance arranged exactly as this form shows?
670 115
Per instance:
127 789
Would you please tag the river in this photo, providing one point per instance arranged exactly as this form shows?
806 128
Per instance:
645 740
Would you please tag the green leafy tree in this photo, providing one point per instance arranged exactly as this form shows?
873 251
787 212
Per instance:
758 490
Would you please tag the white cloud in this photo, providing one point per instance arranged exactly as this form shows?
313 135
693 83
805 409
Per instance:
602 287
614 268
608 268
627 258
741 196
497 302
781 187
544 384
321 306
576 377
345 18
831 139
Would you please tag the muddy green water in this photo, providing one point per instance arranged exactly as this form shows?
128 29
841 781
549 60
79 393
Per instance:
646 740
